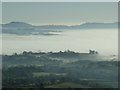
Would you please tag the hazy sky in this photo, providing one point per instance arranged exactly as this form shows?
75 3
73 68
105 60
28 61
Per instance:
68 13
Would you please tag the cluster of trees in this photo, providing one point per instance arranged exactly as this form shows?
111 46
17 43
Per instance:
41 53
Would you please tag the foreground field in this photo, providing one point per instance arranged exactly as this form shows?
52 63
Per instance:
67 85
39 74
43 70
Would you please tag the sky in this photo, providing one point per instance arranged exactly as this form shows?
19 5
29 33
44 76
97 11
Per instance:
59 13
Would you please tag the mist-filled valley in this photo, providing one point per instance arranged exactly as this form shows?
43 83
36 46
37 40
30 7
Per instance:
56 56
81 40
59 45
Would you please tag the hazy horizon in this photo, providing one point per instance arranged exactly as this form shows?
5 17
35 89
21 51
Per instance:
61 13
58 24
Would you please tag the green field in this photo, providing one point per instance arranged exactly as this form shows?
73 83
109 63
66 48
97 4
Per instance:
40 65
102 82
92 79
67 85
39 74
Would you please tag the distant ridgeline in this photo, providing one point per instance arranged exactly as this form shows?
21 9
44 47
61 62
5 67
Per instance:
92 54
22 28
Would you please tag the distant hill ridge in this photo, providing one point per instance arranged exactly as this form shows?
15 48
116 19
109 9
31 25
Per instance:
17 24
81 26
23 28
